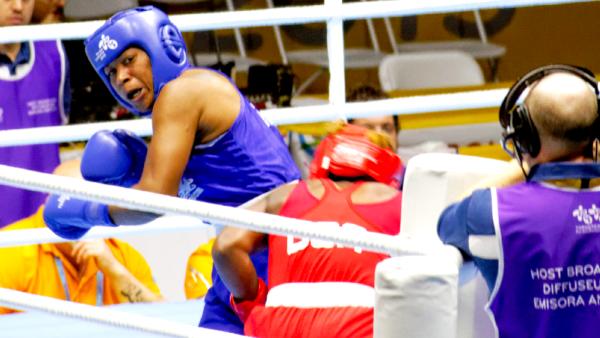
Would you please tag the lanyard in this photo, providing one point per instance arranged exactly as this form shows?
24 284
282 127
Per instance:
63 279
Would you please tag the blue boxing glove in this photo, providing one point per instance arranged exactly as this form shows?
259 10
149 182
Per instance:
72 218
114 157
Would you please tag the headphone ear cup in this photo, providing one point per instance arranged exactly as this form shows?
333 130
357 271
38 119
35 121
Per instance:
526 137
508 104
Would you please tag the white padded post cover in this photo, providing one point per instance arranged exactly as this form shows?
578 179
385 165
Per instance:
473 295
407 296
433 181
416 296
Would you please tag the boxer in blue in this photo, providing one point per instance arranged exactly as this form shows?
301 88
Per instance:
209 143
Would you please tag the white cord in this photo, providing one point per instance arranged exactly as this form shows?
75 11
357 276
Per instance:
164 224
70 133
27 302
397 106
162 204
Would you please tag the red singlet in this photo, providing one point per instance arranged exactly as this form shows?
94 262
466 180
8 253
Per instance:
323 308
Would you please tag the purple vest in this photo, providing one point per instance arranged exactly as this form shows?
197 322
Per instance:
249 159
31 98
548 282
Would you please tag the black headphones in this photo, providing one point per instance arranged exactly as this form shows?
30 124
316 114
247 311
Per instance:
515 119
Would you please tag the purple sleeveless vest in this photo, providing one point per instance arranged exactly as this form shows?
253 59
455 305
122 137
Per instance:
32 98
548 282
247 160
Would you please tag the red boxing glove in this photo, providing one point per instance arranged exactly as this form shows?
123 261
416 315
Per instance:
244 308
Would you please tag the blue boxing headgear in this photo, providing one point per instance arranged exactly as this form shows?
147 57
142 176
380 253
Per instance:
147 28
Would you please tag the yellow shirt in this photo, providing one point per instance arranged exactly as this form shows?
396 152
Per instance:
198 273
32 268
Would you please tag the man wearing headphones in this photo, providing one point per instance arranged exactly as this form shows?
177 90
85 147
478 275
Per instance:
536 238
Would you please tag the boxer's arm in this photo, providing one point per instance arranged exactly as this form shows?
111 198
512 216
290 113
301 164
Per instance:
231 256
187 106
174 122
232 248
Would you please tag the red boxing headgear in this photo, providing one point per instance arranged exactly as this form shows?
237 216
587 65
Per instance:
349 153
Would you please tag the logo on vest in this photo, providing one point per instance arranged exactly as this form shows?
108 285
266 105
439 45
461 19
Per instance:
189 190
295 245
42 106
588 218
104 45
62 199
561 287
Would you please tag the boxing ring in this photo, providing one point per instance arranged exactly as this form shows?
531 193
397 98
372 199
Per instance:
420 259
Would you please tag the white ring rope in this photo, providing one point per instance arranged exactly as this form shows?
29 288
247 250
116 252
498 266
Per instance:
255 221
278 16
27 302
397 106
164 224
69 133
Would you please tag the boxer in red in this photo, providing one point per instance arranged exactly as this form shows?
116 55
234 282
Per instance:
317 288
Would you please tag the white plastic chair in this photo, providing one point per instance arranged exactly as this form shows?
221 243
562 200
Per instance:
436 69
354 58
242 60
478 48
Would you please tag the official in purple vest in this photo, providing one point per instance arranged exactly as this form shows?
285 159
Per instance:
535 233
208 144
34 92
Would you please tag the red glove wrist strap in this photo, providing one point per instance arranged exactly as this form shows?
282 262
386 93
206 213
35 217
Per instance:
243 309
